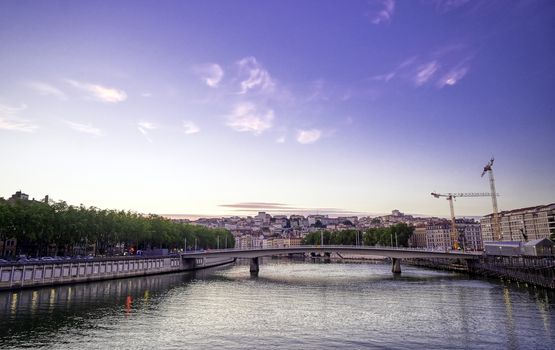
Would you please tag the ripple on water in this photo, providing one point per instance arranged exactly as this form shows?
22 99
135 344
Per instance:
289 305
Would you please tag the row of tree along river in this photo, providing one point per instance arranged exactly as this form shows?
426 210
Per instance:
58 228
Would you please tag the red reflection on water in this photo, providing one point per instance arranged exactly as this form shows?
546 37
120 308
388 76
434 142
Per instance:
128 304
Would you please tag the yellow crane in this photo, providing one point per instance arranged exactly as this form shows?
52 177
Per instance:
450 197
496 227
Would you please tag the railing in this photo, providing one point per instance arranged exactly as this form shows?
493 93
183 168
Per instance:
319 247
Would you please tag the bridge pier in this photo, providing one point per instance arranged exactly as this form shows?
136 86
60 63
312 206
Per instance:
189 263
255 266
396 265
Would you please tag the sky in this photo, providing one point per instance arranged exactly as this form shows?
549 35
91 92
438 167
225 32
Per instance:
210 108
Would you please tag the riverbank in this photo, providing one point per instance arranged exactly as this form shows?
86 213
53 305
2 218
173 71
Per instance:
17 276
538 271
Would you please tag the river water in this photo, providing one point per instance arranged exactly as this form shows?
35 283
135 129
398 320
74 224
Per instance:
290 305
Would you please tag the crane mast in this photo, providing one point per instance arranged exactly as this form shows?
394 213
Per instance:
450 197
497 234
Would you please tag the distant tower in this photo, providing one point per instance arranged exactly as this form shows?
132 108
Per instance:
497 235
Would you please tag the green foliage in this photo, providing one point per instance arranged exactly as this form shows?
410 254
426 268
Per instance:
383 236
386 236
346 237
38 225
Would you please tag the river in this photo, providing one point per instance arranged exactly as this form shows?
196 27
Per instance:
290 305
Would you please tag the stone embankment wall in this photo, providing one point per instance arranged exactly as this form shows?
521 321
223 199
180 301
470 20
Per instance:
62 272
539 271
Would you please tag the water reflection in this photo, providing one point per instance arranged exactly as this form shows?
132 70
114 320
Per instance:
288 305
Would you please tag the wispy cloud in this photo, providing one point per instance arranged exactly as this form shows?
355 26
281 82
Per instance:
443 6
255 76
425 72
46 89
382 11
255 205
280 139
99 92
210 73
84 128
247 117
190 128
281 208
452 76
318 91
146 94
147 125
144 128
308 136
10 119
396 71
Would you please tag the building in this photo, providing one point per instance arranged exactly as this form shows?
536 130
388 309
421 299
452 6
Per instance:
522 224
18 196
438 235
536 247
470 234
8 247
539 247
418 238
507 248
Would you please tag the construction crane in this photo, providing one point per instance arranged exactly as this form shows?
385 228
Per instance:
496 227
450 197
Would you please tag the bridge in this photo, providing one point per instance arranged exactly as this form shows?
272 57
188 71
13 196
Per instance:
191 259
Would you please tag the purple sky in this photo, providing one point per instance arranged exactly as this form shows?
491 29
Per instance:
194 107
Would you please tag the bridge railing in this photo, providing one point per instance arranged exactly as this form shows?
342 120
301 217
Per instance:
361 247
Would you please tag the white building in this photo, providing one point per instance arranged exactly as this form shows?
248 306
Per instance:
533 223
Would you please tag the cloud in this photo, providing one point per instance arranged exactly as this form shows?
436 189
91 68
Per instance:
308 136
190 127
85 128
382 12
246 117
144 127
47 90
255 205
425 72
443 6
280 139
385 77
99 92
256 77
280 208
452 77
10 119
146 94
147 125
395 72
210 73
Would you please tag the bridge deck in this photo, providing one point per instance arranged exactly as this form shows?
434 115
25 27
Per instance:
390 252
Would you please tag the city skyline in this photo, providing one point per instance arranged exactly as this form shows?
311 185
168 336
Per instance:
221 108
